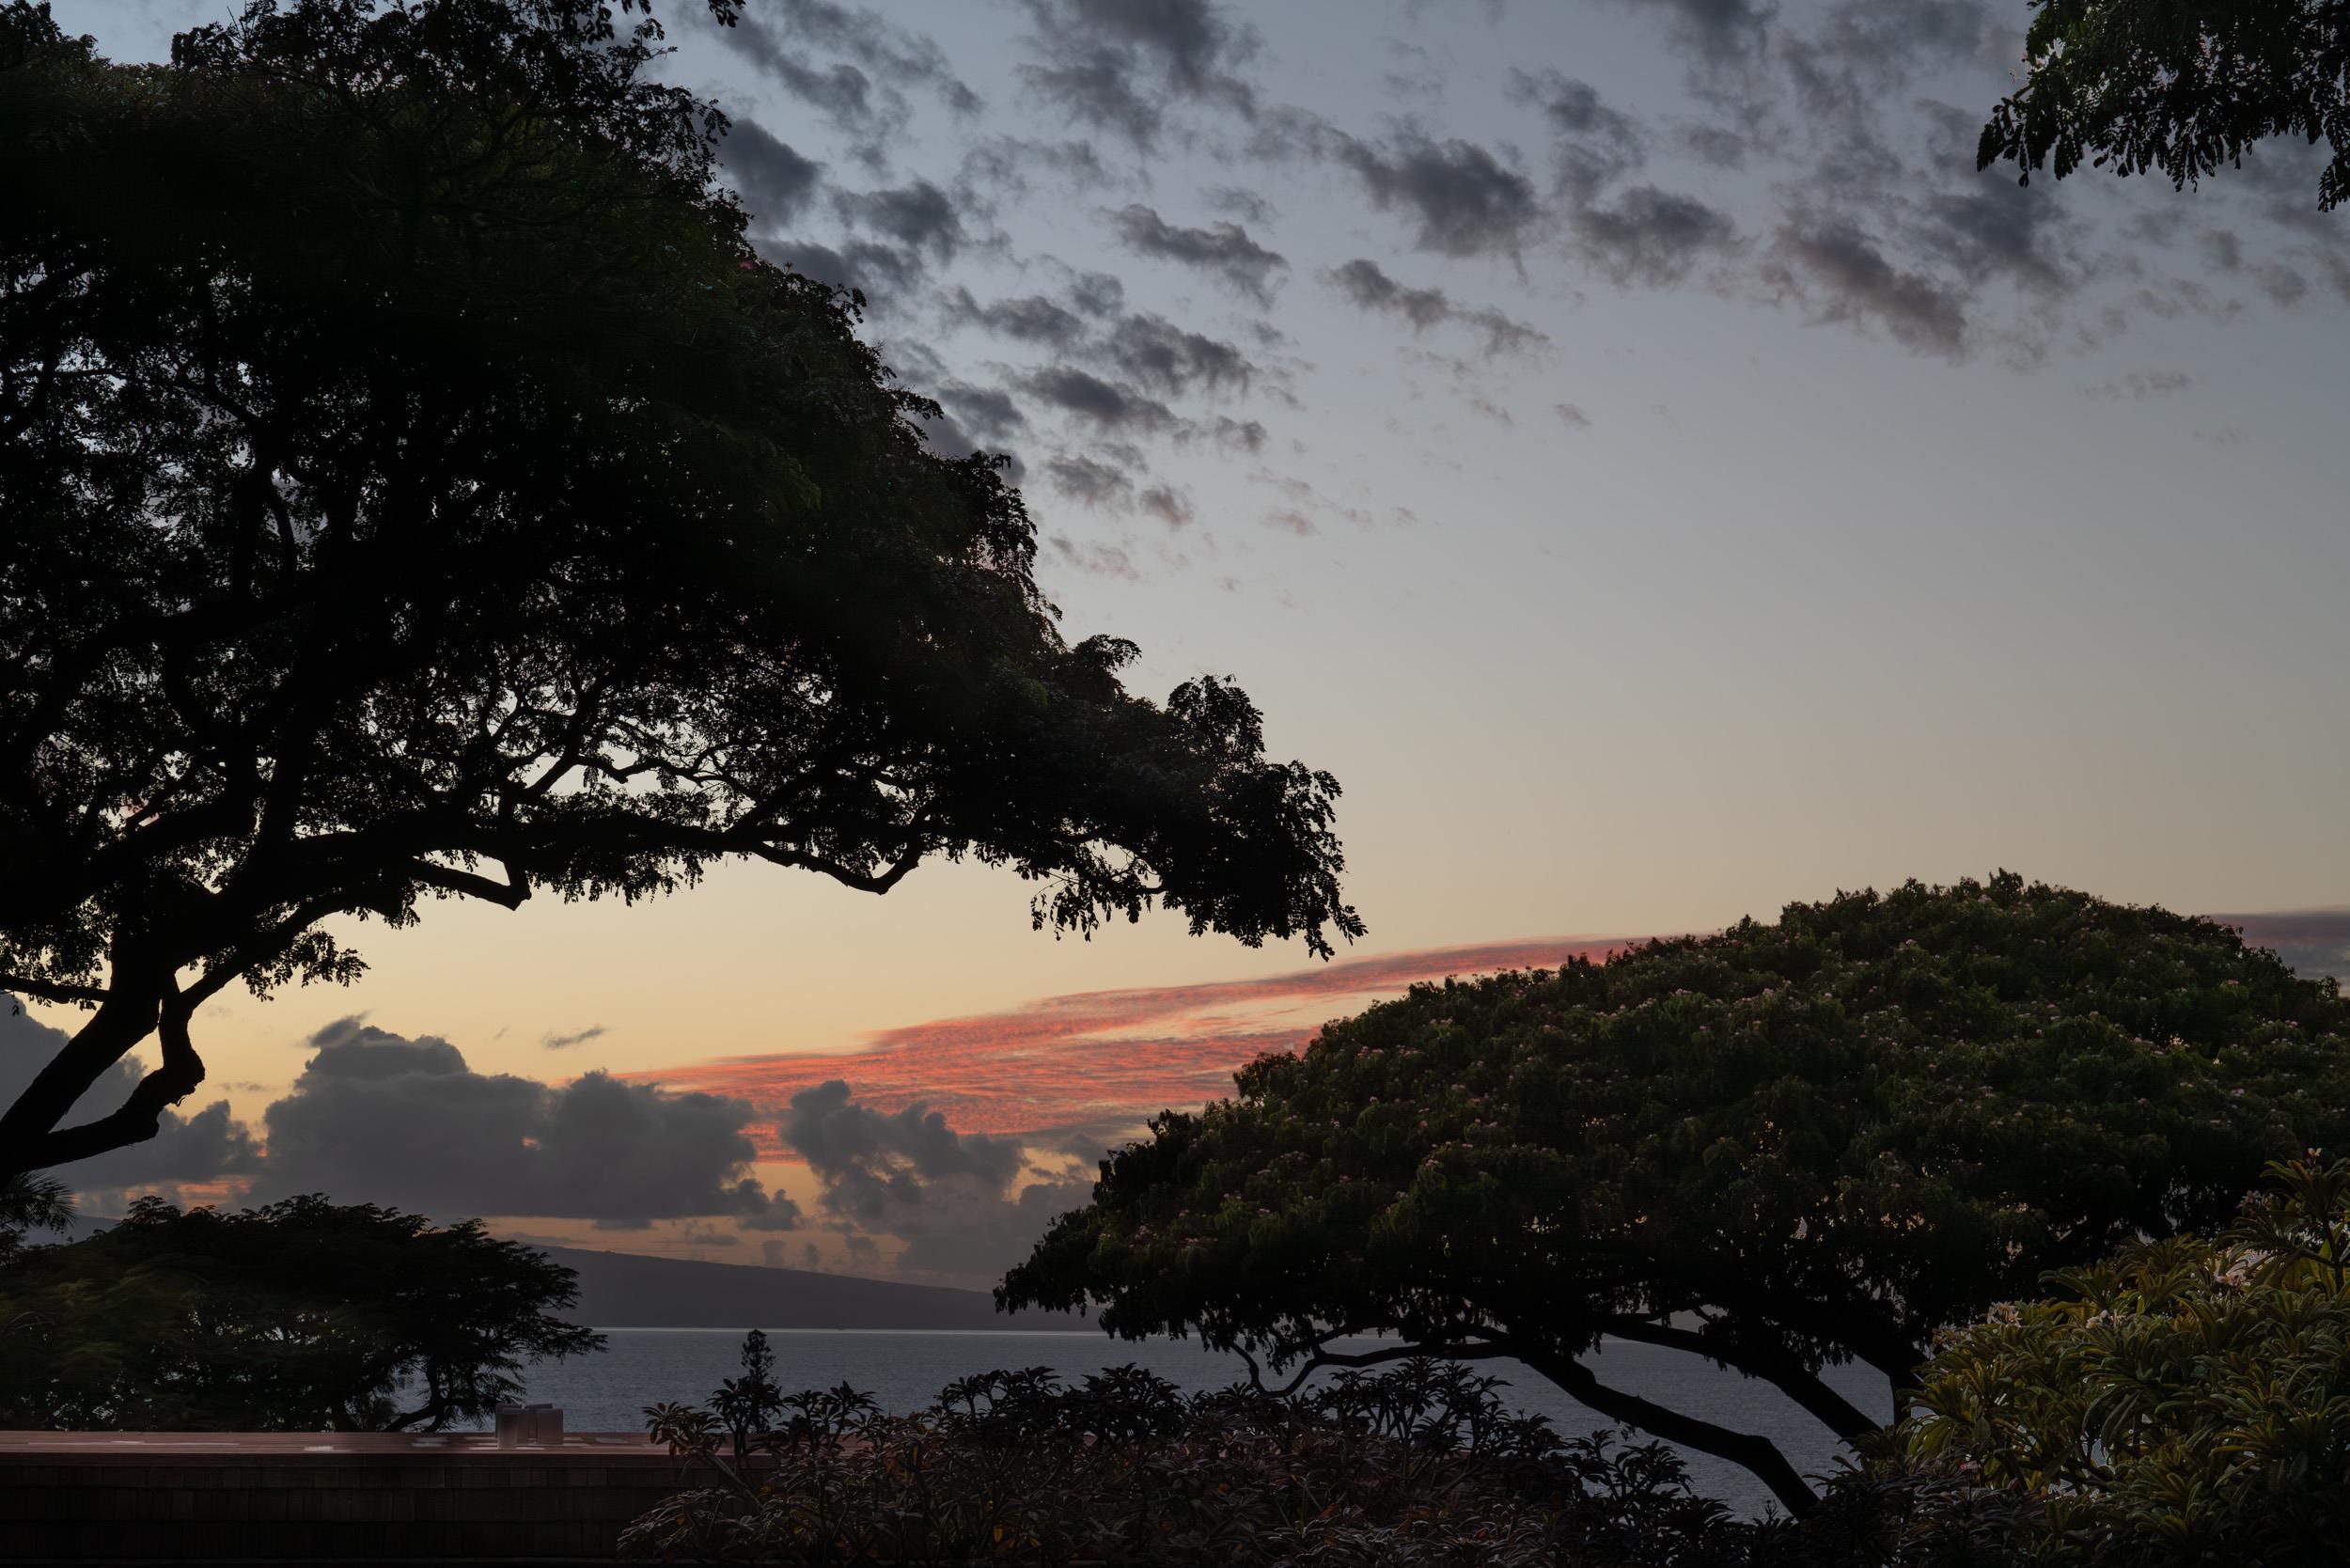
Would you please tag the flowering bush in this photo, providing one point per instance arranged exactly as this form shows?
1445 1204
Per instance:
1421 1467
2187 1400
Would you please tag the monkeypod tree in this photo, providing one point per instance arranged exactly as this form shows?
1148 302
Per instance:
413 486
1786 1146
2179 85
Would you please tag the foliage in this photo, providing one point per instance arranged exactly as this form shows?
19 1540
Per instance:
415 488
302 1315
1422 1464
31 1203
1780 1147
2186 1400
2180 86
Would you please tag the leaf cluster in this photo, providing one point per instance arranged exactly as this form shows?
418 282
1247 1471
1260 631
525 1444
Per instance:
298 1316
2180 86
2183 1401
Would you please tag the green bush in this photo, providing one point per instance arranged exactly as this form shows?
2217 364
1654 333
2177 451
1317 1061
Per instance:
2187 1400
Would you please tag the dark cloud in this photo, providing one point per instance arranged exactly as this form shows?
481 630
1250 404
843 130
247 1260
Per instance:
1593 144
776 181
1241 202
1170 505
202 1146
1171 359
1572 416
1097 293
564 1042
1030 319
1232 435
881 272
960 1203
1998 228
1101 402
1224 250
1466 200
1368 284
1649 236
919 216
1719 29
1094 558
1841 275
1010 166
379 1117
988 409
880 46
1120 65
1082 480
1865 50
951 437
1722 148
841 93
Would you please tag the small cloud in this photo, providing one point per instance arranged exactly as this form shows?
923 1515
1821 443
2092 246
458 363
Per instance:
565 1042
1224 250
1169 506
1649 236
1469 202
1572 416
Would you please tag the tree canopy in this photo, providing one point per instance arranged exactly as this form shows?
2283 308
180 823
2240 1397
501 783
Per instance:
416 487
301 1316
2184 1400
1785 1146
2180 86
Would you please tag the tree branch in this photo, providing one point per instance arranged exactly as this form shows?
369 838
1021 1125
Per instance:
1783 1372
1759 1456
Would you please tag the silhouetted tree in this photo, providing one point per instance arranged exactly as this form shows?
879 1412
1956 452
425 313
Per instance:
1778 1148
301 1316
412 485
2180 86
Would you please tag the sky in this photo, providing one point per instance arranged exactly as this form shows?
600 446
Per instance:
1626 441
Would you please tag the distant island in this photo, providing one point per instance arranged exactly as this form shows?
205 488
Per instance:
628 1290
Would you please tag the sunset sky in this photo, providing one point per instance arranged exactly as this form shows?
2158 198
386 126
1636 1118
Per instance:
1626 442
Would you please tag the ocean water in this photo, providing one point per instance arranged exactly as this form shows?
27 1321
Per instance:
904 1371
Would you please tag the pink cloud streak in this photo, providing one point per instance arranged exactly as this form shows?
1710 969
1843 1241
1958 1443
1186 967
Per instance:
1105 1059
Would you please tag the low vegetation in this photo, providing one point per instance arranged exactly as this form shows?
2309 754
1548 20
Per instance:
2186 1400
1420 1464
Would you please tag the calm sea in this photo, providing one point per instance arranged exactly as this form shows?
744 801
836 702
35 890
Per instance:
905 1370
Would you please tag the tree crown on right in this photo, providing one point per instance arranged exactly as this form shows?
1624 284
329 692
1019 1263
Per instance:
1783 1146
2180 86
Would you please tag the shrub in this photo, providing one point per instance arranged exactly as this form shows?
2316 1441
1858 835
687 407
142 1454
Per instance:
2187 1401
1422 1464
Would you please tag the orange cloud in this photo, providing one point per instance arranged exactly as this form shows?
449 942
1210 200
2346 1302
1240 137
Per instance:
1102 1059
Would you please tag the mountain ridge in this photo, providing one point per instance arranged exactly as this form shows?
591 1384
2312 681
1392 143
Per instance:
633 1290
